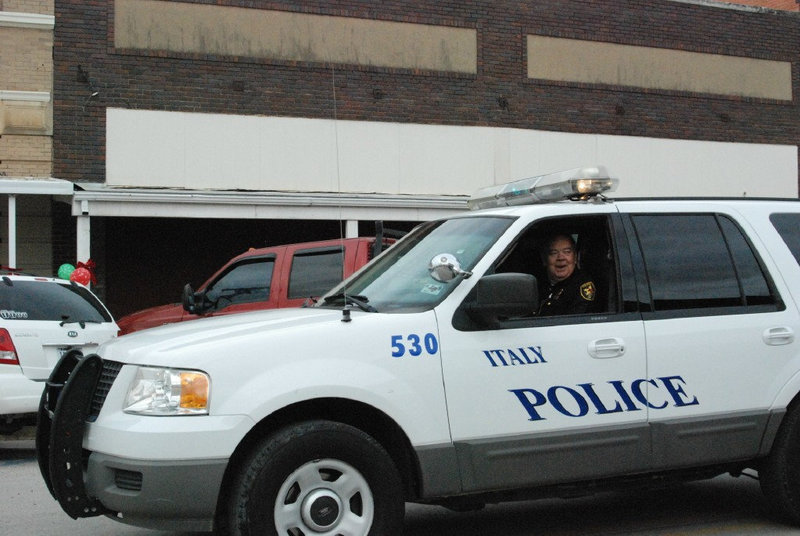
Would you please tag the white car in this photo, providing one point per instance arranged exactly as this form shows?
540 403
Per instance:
551 342
41 318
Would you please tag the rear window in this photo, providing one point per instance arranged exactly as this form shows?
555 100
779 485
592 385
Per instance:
315 272
788 226
40 300
700 261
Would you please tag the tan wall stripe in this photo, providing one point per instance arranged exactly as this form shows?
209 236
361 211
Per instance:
233 31
570 60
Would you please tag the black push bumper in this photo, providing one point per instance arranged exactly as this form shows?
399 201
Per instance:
63 411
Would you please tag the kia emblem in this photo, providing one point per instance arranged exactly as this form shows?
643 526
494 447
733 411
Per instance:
72 333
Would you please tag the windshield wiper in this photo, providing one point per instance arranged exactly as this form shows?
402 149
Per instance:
349 299
68 320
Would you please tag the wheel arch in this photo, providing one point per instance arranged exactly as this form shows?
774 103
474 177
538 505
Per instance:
786 401
777 418
359 415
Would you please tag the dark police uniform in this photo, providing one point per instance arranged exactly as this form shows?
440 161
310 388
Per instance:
576 294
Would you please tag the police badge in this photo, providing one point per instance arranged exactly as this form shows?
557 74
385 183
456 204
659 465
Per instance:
588 291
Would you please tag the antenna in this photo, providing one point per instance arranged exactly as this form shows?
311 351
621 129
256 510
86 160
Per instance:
345 310
336 141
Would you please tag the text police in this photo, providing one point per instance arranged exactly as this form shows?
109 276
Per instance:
573 402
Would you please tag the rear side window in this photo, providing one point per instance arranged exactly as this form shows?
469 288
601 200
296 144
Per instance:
315 272
788 226
246 282
755 287
699 261
39 300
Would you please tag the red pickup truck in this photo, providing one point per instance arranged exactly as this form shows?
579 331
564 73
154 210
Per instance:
264 278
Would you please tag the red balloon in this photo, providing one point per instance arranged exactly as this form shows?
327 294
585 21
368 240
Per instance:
81 275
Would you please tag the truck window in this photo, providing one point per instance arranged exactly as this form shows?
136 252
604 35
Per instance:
315 272
699 261
594 252
788 226
246 282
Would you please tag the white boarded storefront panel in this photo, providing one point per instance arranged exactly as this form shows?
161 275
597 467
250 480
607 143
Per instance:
154 149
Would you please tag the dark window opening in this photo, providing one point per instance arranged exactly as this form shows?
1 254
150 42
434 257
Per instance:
315 272
35 300
246 282
596 258
699 261
788 226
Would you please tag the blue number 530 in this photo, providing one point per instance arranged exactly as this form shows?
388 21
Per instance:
414 345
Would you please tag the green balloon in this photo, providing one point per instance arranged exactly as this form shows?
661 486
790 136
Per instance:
65 270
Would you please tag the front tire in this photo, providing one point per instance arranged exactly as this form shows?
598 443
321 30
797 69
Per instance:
317 478
779 476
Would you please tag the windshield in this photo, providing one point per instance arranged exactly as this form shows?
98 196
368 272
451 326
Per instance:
399 281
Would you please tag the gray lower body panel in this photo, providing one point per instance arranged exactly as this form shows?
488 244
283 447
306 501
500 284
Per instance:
703 441
167 495
552 458
538 460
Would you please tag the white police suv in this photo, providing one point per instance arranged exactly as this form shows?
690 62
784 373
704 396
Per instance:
437 374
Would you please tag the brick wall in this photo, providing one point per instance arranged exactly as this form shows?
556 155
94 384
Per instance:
25 156
499 95
26 60
26 66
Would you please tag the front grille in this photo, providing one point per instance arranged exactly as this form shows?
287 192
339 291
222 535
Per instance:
107 377
130 480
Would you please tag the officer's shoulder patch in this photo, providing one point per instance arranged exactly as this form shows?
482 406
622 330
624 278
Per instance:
588 291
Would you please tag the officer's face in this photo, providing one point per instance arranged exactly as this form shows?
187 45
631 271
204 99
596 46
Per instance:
561 259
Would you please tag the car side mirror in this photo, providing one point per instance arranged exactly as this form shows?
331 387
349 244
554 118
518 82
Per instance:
192 301
502 296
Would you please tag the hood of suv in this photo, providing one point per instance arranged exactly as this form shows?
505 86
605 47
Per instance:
191 340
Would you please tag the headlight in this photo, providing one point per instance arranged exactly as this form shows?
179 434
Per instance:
164 391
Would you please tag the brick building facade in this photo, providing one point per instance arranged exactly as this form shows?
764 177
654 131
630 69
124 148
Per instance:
219 125
26 82
499 94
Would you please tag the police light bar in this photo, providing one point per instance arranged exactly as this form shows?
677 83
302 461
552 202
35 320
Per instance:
580 183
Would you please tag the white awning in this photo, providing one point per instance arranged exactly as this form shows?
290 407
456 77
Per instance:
35 186
94 199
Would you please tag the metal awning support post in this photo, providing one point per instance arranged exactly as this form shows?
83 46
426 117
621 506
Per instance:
84 238
12 231
351 229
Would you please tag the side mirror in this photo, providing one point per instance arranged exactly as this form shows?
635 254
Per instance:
501 296
192 301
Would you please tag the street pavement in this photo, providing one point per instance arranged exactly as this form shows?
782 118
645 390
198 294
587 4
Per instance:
724 506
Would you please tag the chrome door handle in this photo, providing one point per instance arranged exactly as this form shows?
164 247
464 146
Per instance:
778 336
606 348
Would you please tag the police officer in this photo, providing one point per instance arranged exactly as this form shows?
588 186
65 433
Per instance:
567 290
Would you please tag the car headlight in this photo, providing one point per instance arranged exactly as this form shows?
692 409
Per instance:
165 391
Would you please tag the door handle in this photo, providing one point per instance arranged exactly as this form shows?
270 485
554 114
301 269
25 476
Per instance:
606 348
778 336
